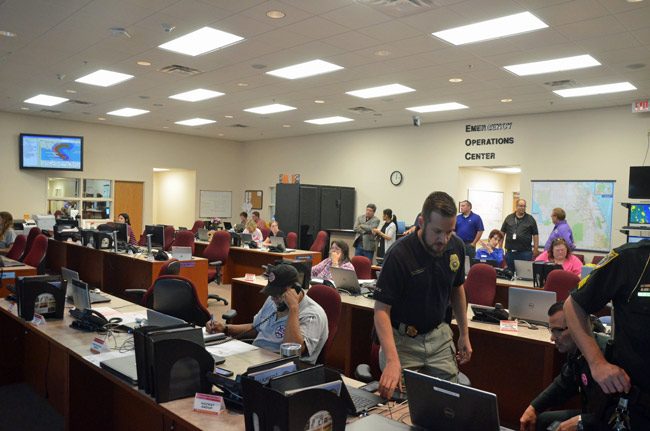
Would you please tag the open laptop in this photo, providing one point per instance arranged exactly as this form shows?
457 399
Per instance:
227 225
245 238
69 275
524 270
182 253
530 305
346 279
202 234
6 262
277 241
445 406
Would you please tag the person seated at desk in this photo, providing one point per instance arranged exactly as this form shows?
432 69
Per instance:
260 222
561 255
287 316
256 234
574 378
490 250
339 258
124 218
243 218
275 231
7 232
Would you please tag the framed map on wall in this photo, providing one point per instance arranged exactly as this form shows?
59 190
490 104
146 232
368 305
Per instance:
588 206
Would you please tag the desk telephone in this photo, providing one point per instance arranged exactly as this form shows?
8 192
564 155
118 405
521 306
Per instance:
490 314
90 320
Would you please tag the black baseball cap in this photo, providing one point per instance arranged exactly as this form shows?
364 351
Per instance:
280 277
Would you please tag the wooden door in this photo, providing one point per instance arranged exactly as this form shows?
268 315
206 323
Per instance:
129 197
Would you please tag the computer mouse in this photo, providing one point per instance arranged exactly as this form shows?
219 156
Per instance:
96 290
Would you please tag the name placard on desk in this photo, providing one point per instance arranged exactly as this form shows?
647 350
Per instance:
8 275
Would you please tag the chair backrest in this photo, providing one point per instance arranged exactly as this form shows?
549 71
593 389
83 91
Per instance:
581 257
170 267
320 242
37 253
292 240
362 267
143 239
176 296
17 248
561 282
481 284
265 232
33 233
198 224
184 238
169 237
596 259
219 247
330 300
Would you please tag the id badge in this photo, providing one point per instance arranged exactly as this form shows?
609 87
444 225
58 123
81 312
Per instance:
514 236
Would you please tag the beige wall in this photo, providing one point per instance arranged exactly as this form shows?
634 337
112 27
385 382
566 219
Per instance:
115 153
171 197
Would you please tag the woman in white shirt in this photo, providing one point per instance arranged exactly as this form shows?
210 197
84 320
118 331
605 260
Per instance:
256 234
387 234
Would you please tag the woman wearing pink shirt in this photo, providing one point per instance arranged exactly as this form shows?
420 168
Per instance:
560 254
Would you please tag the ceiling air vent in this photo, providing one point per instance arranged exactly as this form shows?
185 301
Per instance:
361 110
400 8
563 83
241 126
50 111
177 69
79 102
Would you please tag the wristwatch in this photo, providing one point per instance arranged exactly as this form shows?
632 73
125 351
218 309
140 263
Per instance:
580 426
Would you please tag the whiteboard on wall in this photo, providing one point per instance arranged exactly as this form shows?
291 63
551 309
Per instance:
489 205
215 203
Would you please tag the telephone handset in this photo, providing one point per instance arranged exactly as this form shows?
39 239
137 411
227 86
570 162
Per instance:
91 320
283 306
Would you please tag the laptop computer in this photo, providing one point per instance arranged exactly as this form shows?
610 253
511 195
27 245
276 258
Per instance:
6 262
68 275
445 406
377 422
491 262
530 305
524 270
227 225
182 253
202 234
123 367
245 238
277 241
346 279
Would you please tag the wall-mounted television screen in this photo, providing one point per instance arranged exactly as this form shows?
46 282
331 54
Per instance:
639 182
62 153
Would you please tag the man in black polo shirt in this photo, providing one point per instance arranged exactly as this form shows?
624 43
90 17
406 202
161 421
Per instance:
624 278
519 230
421 275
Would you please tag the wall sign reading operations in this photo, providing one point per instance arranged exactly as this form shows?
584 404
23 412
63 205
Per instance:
478 142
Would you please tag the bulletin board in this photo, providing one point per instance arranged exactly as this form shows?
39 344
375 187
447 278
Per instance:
255 198
215 203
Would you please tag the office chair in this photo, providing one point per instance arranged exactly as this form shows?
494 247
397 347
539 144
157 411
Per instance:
596 259
217 253
292 240
17 248
330 300
184 238
561 282
36 255
320 243
176 296
362 267
265 232
33 233
170 267
169 237
581 257
198 224
481 285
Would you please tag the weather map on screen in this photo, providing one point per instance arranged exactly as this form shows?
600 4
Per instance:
640 213
51 152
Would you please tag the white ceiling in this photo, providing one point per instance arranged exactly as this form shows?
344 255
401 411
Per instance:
58 41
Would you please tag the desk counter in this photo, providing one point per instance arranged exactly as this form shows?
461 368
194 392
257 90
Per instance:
8 275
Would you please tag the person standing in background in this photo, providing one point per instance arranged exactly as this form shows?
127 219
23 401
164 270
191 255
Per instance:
519 230
469 227
364 240
387 234
560 230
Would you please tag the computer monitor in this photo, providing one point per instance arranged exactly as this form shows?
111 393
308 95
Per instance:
157 233
639 214
491 262
634 238
304 271
103 239
80 294
67 223
88 237
122 232
44 222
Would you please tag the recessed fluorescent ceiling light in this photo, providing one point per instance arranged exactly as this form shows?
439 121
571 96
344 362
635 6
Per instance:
196 95
555 65
128 112
45 100
436 108
195 122
384 90
104 78
270 109
596 89
492 29
201 41
303 70
329 120
508 170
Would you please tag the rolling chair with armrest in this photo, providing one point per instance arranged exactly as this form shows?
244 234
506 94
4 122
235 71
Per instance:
320 243
169 237
33 233
330 300
198 224
17 248
292 240
184 238
176 296
481 285
170 267
265 232
581 257
596 259
561 282
362 266
36 256
217 252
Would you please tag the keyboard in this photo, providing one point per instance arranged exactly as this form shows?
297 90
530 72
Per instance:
363 400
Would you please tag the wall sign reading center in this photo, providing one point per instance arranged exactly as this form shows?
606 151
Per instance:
396 178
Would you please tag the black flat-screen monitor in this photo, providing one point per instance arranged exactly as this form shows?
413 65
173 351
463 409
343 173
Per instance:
304 271
53 152
122 231
639 186
157 233
67 223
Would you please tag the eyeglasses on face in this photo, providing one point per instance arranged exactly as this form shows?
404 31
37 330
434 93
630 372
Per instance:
557 332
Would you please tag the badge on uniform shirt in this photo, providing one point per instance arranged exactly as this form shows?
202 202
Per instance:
454 262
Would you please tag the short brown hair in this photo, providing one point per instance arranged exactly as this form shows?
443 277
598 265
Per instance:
559 213
558 241
439 202
497 233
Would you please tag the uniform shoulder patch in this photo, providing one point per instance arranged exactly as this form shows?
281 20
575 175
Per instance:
604 262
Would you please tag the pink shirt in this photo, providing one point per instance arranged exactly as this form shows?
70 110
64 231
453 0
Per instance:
571 263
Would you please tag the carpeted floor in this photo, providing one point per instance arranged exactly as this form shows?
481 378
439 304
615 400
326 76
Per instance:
21 409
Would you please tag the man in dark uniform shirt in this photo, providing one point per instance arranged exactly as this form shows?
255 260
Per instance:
519 230
421 275
624 278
